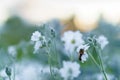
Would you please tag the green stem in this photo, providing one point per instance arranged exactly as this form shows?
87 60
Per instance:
14 72
71 56
49 61
102 67
12 59
94 60
103 70
56 52
9 77
50 68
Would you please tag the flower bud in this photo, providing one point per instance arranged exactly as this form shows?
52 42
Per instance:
53 32
8 71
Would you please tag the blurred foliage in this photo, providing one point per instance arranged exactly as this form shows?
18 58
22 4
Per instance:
14 31
17 32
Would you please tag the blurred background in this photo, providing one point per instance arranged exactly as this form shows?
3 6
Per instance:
19 18
85 13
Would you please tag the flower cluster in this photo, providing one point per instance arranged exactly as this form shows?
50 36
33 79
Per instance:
39 40
72 40
70 70
82 52
102 40
98 41
33 71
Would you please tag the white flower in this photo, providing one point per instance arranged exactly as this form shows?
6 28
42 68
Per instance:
28 71
81 50
3 73
102 40
32 71
37 45
72 40
35 36
70 70
39 40
12 50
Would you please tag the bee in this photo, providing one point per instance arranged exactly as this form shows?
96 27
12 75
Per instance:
81 52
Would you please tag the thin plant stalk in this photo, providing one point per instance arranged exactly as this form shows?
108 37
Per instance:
94 60
71 57
101 64
102 67
13 60
56 52
49 61
9 77
14 72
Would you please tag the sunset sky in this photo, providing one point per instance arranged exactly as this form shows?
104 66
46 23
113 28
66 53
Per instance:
86 11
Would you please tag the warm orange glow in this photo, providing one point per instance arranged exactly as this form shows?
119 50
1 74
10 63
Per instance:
87 12
85 26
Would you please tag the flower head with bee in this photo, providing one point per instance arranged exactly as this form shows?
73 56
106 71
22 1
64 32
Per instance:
81 50
72 40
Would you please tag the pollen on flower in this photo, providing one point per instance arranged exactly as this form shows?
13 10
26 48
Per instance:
73 41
